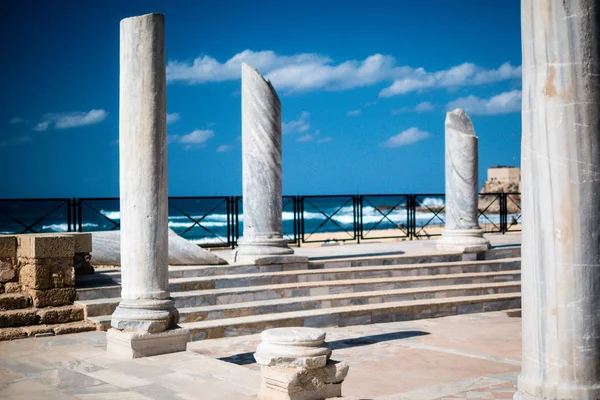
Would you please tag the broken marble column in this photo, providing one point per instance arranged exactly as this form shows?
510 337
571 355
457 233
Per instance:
462 232
144 322
295 365
561 200
261 170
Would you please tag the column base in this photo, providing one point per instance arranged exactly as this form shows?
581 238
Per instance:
131 344
253 249
529 390
145 315
463 240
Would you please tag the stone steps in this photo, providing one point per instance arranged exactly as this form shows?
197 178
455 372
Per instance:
44 330
104 308
298 289
353 315
109 287
113 276
37 316
192 314
240 299
348 273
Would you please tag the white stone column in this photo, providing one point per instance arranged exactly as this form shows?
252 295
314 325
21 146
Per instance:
261 169
146 306
462 232
561 200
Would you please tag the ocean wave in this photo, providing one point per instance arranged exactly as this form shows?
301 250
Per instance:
190 223
65 227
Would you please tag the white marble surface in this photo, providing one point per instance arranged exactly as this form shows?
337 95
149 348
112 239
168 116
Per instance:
146 303
261 169
561 200
462 231
461 171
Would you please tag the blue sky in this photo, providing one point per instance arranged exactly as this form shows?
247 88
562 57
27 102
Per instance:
364 88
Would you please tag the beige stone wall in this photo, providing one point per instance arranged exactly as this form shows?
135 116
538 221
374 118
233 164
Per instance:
504 175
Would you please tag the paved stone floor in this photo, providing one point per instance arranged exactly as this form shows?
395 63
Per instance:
473 356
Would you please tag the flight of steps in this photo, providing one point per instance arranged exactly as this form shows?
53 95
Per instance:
232 300
18 319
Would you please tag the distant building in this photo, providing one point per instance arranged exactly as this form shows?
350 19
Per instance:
504 175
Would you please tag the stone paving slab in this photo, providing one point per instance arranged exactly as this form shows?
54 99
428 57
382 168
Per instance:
475 356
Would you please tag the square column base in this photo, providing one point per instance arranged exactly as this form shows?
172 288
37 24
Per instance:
136 344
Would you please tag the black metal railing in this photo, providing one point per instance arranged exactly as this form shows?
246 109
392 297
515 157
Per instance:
217 221
36 215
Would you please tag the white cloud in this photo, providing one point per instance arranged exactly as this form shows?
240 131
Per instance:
42 126
407 137
224 148
354 113
71 120
15 120
305 138
172 118
298 126
503 103
75 119
17 141
309 137
196 138
325 140
466 74
309 72
423 107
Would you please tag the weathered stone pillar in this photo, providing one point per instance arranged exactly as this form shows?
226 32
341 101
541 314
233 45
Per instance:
462 232
561 200
146 307
261 169
295 365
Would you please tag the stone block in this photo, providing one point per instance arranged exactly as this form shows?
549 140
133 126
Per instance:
60 315
12 333
14 318
281 383
12 287
43 246
13 301
132 344
8 246
35 275
47 273
52 297
83 242
8 269
74 327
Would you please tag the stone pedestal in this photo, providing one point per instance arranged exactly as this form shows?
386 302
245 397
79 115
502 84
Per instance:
462 232
561 200
46 270
261 170
295 365
146 306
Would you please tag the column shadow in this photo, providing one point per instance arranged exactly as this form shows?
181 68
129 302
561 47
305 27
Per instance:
248 358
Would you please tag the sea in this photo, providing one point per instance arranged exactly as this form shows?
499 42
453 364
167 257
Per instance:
213 221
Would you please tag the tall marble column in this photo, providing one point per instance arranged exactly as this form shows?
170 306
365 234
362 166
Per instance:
561 200
261 169
146 307
462 232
